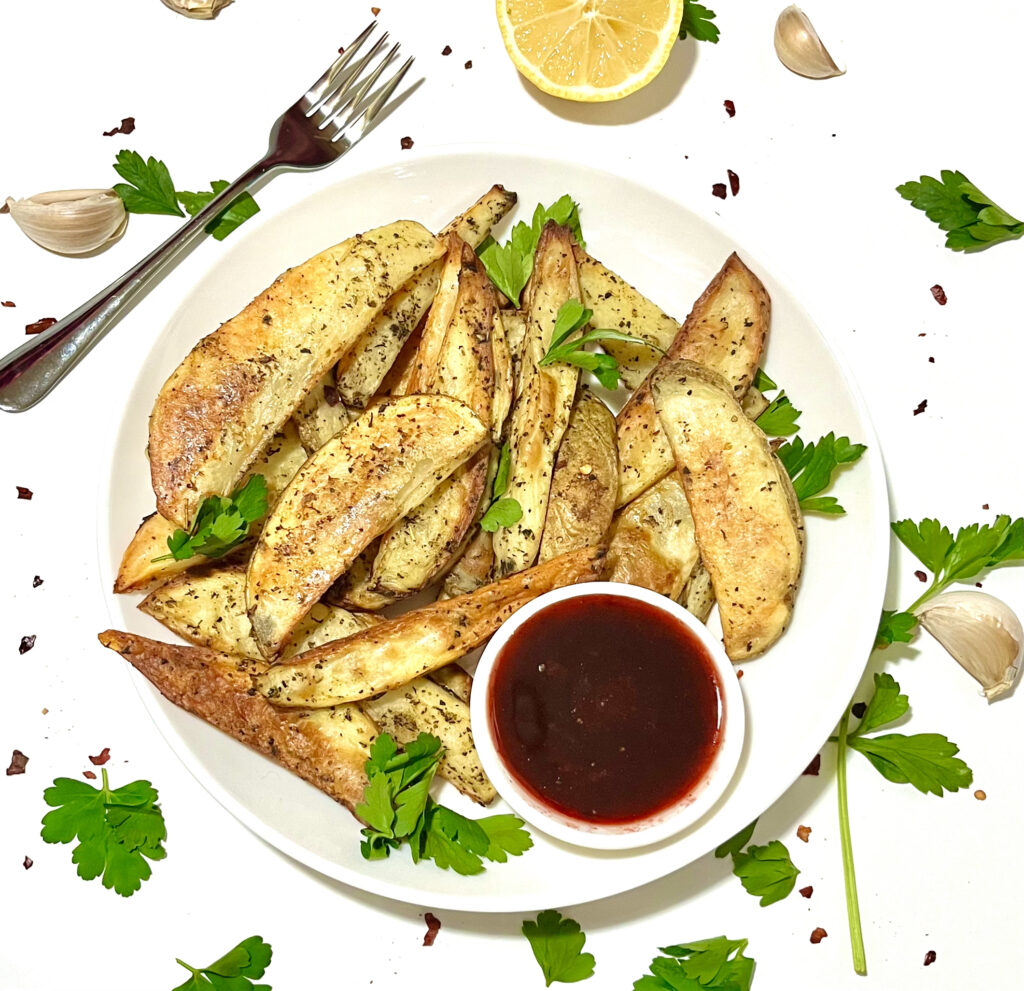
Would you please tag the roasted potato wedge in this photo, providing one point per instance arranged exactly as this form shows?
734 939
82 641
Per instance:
425 707
541 411
138 571
207 608
514 324
328 747
472 569
321 415
456 679
504 378
398 650
652 540
237 387
699 595
754 402
353 489
362 370
584 480
617 305
352 589
725 332
746 517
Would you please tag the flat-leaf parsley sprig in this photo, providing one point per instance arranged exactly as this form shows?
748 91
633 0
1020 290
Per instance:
766 872
503 510
698 23
234 971
118 830
705 965
557 945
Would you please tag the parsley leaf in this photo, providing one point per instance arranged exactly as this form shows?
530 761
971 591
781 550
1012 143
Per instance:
233 971
811 467
736 843
510 265
895 627
762 382
236 213
779 417
766 871
926 760
221 524
149 188
557 944
885 706
397 808
697 23
501 512
972 221
706 965
118 830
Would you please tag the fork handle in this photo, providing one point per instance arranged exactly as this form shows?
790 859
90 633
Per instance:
31 371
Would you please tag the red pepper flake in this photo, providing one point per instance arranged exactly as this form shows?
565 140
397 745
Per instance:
37 581
18 762
341 51
808 891
447 50
931 361
940 294
5 208
730 108
979 794
858 709
818 935
921 407
91 775
126 126
7 302
102 757
803 833
375 11
977 584
814 768
406 143
718 189
24 493
433 926
734 181
27 643
739 673
922 335
40 325
468 65
27 863
920 576
929 958
331 396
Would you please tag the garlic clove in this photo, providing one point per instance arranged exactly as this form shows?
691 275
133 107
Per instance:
800 49
71 221
982 633
202 9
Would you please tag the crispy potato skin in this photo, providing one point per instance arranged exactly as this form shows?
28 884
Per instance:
745 515
353 489
584 481
398 650
472 568
317 419
726 332
138 571
327 749
238 385
540 415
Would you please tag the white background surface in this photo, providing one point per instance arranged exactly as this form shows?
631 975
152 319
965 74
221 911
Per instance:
821 210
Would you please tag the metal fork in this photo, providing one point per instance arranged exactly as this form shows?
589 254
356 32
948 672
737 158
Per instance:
327 120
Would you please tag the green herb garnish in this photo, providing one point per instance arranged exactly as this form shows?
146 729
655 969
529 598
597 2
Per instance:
557 944
697 23
812 466
236 213
503 512
779 418
707 965
234 971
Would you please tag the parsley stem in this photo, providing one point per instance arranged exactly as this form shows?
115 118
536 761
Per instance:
849 876
193 970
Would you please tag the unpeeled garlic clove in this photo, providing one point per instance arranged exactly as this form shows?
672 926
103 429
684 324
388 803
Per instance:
800 49
982 633
71 221
202 9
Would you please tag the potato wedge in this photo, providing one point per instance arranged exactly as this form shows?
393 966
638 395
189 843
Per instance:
237 386
353 489
514 325
725 332
328 748
746 517
425 707
207 608
699 595
352 590
138 571
541 412
618 306
754 402
424 543
472 569
456 679
504 378
398 650
584 480
321 415
652 540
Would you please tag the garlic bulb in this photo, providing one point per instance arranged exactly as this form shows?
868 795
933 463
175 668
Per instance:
202 9
71 221
982 633
800 49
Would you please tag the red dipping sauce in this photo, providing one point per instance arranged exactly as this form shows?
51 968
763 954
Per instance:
606 709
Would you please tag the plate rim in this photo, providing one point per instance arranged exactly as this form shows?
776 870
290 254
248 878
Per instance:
159 708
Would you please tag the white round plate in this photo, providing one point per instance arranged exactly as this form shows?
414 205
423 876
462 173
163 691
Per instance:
794 694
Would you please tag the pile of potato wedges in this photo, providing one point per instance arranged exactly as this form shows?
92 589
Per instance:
373 387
